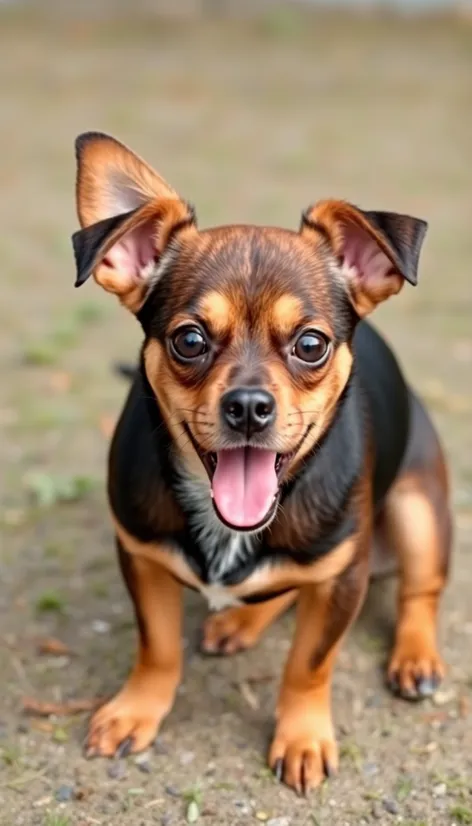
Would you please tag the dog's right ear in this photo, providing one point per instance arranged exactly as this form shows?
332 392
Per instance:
128 215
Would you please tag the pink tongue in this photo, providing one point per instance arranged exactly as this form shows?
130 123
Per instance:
244 485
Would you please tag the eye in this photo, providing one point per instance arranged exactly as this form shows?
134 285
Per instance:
312 347
189 343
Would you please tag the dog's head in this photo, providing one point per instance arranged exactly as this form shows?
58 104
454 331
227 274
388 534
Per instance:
248 329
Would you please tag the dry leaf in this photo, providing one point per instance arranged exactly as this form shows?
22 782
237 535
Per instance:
51 645
36 707
249 695
42 725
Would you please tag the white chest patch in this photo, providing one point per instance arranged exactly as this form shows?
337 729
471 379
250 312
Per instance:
223 548
219 597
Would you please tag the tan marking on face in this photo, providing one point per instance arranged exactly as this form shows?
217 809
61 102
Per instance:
219 312
286 314
175 401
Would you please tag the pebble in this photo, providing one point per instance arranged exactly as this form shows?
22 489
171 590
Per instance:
160 747
101 626
262 816
64 794
143 763
165 820
441 698
373 701
192 812
172 791
390 806
440 790
186 757
376 810
279 821
370 769
116 770
243 807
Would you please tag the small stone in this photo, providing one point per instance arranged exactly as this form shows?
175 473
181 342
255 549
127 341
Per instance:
22 728
160 747
373 701
440 790
262 816
441 698
172 791
376 810
193 812
279 821
165 820
101 626
390 806
186 757
143 763
64 794
369 769
116 770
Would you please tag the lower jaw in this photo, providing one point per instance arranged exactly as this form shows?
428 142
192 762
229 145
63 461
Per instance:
260 526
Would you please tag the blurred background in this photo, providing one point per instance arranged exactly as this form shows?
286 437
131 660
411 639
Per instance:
251 110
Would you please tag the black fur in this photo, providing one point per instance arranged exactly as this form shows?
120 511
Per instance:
374 406
89 241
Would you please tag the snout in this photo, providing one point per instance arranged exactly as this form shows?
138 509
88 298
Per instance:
248 410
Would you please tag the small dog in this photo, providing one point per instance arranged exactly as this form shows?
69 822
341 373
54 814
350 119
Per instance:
269 450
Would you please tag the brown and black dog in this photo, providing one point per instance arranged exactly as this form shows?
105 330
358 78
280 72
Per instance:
269 449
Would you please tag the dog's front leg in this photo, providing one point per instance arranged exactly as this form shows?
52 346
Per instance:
129 722
304 749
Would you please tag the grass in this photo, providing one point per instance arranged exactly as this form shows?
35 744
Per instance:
50 602
57 819
64 335
403 788
48 489
461 814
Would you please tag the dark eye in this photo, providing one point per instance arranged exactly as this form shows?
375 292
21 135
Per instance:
312 347
189 343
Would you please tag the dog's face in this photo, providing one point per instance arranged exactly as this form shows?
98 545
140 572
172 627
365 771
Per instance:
248 329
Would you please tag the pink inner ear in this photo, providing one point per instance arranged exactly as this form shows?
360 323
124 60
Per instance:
362 254
133 253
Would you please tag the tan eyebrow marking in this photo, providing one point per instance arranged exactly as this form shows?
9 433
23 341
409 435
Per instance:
287 313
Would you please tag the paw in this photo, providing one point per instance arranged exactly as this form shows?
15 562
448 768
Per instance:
230 631
304 758
415 670
126 724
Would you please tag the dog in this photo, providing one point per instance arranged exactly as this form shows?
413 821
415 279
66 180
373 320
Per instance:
269 450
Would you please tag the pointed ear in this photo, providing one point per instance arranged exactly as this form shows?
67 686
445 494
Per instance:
377 251
128 215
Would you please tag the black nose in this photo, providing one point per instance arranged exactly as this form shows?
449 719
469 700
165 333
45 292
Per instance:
248 410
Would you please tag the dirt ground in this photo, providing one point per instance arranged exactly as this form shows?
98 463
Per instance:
251 121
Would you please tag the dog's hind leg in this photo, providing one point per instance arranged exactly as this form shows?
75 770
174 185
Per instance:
241 627
417 526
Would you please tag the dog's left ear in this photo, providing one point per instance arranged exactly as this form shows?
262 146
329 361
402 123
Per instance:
128 215
377 251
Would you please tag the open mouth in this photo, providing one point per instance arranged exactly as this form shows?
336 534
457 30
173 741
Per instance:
245 483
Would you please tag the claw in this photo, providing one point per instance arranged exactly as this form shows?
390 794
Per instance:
328 769
279 769
124 748
426 686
